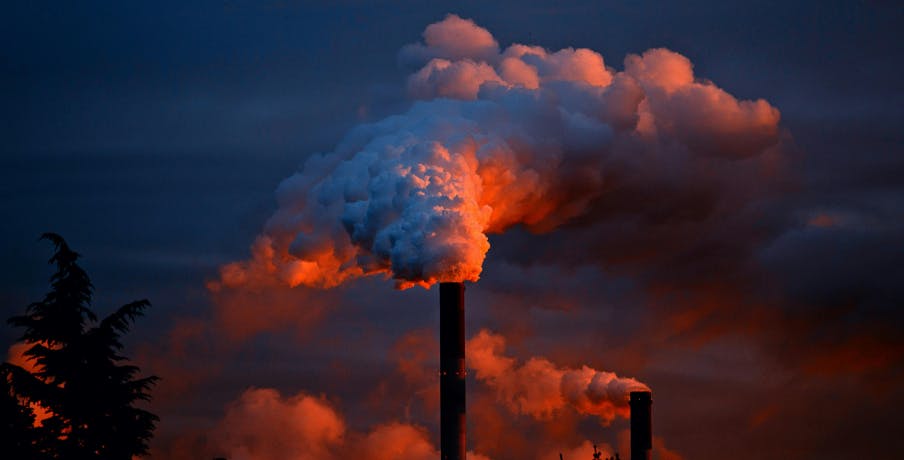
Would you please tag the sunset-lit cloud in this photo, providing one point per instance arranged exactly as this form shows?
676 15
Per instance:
540 388
262 424
414 196
453 38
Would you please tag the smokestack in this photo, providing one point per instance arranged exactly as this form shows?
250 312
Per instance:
641 425
452 370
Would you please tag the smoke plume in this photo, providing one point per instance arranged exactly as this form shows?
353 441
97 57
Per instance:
539 388
263 425
494 139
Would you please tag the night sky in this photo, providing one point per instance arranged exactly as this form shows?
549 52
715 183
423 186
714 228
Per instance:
758 295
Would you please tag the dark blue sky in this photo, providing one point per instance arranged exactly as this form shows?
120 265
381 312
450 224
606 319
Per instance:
153 135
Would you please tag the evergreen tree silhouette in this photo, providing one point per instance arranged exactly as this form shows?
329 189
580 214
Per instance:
80 376
18 438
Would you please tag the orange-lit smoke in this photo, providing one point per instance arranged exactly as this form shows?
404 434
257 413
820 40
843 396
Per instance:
496 138
540 389
264 425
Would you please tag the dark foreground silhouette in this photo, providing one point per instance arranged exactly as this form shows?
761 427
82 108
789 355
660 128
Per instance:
78 376
597 455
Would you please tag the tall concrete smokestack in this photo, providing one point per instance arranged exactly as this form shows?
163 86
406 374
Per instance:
452 370
641 425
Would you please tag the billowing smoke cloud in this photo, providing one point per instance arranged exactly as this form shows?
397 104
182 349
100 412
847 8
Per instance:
264 425
539 388
500 138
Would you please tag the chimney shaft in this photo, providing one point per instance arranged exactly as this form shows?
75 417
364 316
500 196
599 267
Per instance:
452 370
641 425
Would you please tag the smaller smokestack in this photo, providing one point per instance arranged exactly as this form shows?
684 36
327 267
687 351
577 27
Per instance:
641 425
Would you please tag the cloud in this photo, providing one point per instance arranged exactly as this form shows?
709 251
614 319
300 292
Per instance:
396 441
453 38
570 65
457 80
264 425
528 138
415 355
541 389
261 425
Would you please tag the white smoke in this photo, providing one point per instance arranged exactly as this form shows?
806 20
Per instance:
540 388
524 136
